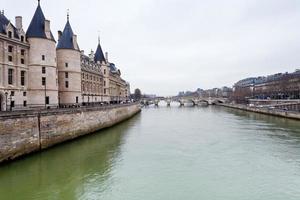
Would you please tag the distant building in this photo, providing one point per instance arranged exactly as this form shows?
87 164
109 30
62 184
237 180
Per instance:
277 86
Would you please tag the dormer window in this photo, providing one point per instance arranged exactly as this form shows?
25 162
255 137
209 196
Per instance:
9 34
22 38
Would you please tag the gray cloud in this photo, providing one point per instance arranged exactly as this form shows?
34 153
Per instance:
171 45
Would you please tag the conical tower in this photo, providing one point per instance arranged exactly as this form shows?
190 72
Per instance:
42 84
69 67
101 59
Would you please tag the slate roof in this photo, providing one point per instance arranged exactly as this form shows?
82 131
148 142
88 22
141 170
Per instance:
99 56
4 23
66 39
36 28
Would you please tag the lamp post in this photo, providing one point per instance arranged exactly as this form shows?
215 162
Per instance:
6 93
45 94
10 99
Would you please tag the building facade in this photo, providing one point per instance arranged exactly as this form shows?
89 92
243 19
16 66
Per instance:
277 86
38 72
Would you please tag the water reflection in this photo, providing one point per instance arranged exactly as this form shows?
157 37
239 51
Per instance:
68 171
168 153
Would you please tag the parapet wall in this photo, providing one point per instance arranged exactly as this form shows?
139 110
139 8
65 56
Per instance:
274 112
24 133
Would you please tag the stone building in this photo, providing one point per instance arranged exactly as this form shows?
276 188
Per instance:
14 50
37 72
277 86
92 79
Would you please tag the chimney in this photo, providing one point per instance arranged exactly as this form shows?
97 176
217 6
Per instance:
106 56
92 55
59 34
47 26
75 41
19 24
47 29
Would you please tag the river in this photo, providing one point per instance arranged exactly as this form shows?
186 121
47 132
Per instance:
176 153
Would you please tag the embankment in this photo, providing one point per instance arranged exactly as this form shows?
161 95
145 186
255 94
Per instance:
274 112
25 132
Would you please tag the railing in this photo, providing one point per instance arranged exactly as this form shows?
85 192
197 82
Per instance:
40 107
34 112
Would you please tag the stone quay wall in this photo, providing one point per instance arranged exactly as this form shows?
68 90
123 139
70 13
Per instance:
25 132
266 111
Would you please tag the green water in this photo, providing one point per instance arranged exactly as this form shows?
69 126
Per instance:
168 154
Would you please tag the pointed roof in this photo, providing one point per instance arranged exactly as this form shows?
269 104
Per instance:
66 39
99 56
36 28
4 22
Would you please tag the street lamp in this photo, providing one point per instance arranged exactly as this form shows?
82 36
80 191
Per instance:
6 93
10 99
45 95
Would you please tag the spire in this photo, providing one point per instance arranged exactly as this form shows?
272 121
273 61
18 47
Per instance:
36 28
68 15
98 37
99 56
67 39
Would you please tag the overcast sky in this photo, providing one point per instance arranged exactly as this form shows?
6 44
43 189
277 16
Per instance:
167 46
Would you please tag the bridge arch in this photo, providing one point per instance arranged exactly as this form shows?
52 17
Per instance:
218 101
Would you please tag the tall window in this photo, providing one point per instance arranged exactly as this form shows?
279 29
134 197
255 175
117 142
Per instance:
22 38
43 81
24 103
43 57
47 100
9 34
76 99
66 75
67 84
10 49
22 52
10 59
22 61
43 70
10 76
67 64
22 78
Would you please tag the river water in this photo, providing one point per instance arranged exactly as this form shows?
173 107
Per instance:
177 153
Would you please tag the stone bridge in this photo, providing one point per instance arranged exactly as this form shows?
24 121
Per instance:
185 101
